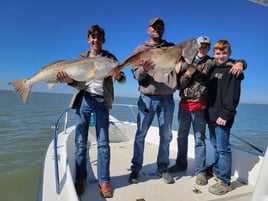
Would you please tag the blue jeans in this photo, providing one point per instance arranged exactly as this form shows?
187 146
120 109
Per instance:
85 107
219 138
198 120
148 106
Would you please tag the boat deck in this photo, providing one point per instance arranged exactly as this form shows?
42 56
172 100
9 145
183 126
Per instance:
57 177
151 187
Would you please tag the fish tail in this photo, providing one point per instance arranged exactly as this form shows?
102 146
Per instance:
22 87
113 72
116 70
134 58
190 51
120 67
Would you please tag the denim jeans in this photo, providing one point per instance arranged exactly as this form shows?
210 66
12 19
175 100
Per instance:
87 105
219 138
198 120
148 106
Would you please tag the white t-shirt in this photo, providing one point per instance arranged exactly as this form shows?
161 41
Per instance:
95 86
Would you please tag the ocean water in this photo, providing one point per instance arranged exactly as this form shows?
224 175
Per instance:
26 130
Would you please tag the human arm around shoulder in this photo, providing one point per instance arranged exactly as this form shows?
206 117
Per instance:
238 67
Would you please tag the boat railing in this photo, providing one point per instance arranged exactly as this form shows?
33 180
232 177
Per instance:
259 150
56 128
66 120
125 116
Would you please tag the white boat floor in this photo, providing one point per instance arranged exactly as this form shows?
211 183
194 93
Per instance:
151 187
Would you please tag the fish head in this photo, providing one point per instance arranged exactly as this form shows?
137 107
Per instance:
104 63
190 50
102 67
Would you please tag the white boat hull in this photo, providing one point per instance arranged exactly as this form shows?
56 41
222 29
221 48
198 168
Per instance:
246 167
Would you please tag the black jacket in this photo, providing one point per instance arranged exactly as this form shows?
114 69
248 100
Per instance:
223 94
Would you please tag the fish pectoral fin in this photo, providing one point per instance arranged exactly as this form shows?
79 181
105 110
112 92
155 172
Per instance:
50 85
91 73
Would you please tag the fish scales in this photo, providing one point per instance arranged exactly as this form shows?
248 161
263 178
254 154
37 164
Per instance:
164 58
81 70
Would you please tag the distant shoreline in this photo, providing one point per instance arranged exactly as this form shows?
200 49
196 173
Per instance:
248 103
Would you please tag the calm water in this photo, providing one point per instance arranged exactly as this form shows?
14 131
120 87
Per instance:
26 132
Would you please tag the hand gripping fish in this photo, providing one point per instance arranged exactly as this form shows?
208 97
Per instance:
164 58
81 70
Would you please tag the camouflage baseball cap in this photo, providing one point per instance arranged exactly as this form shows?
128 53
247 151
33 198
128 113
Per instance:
156 20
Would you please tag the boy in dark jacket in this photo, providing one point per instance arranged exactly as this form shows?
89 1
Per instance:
223 97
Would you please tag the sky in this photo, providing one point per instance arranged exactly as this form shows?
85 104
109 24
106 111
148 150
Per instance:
35 33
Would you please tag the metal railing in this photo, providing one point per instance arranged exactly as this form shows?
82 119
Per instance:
134 115
56 127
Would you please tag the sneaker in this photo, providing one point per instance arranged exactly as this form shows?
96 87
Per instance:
134 177
80 186
215 177
176 168
220 188
105 190
166 177
201 179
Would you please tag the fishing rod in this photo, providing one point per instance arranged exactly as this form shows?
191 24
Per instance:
246 142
